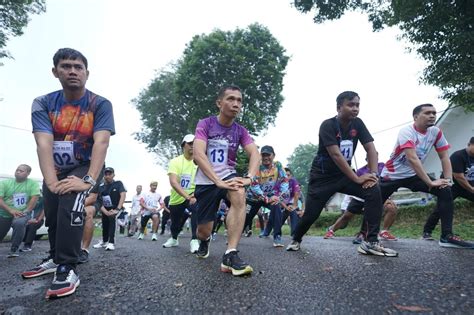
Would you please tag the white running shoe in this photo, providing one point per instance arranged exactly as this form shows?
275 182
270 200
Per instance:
171 242
154 237
194 246
110 246
100 244
140 236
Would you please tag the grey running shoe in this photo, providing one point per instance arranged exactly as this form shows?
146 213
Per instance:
64 283
83 256
45 267
293 246
232 263
375 248
454 241
277 242
359 238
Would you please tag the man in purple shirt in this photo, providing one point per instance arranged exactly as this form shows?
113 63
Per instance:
217 139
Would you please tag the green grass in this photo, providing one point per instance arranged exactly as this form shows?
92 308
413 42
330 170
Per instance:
409 222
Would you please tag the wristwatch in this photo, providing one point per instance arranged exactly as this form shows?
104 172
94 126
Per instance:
88 179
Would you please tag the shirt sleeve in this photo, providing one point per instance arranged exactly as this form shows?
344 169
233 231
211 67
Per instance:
40 116
328 133
441 143
364 134
245 138
173 167
201 132
457 163
104 117
406 139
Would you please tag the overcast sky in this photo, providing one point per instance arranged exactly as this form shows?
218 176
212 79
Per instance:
126 42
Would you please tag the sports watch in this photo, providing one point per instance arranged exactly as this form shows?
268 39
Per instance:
88 179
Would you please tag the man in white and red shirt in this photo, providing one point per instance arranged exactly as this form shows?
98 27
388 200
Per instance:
151 203
405 169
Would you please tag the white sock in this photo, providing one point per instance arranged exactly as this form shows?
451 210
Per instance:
230 250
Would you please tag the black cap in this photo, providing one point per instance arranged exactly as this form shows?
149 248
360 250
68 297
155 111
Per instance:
109 169
267 149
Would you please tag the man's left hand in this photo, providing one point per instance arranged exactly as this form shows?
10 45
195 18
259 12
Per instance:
72 184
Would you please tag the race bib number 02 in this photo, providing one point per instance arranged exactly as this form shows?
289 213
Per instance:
217 152
63 154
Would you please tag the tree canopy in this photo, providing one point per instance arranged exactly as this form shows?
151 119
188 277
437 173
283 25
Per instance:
14 16
441 32
300 162
186 91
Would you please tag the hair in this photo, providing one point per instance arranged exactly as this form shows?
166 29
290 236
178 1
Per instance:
346 95
154 183
471 141
419 108
68 53
287 169
28 168
224 88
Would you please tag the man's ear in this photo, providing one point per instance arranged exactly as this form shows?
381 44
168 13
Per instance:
54 71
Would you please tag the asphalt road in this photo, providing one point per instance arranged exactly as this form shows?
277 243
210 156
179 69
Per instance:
326 276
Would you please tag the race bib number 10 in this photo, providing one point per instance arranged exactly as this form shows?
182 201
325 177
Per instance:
20 200
63 154
217 152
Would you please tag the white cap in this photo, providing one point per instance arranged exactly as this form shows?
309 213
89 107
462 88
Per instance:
188 138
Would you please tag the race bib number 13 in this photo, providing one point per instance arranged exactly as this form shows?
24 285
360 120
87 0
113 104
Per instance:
217 152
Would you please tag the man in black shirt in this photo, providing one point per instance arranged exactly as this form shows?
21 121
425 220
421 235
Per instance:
112 196
462 162
331 172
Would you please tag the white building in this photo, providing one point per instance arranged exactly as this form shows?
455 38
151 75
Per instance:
458 127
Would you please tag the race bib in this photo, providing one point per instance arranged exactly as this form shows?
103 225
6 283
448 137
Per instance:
217 152
19 200
347 148
268 187
63 154
185 181
107 201
470 174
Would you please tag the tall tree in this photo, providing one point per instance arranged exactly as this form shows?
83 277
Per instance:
300 162
440 31
178 97
14 16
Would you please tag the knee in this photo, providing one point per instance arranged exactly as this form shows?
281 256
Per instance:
390 209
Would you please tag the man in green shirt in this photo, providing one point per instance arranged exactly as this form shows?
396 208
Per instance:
18 198
181 172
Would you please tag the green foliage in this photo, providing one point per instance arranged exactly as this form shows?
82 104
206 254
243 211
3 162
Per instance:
178 97
14 16
441 32
300 162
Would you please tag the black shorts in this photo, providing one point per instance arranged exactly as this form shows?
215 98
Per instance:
355 206
208 201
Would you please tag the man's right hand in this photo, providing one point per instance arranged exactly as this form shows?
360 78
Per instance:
17 214
440 183
53 187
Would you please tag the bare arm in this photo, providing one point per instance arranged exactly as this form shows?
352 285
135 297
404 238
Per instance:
254 158
372 159
123 195
340 162
462 181
176 186
32 203
200 157
415 163
44 149
446 164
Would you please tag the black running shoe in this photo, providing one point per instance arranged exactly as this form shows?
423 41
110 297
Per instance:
64 283
83 256
427 236
203 251
454 241
231 262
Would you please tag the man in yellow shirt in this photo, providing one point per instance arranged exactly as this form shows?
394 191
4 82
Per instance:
181 172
